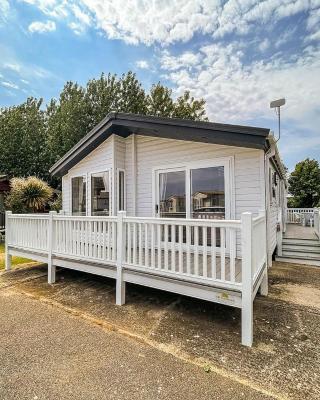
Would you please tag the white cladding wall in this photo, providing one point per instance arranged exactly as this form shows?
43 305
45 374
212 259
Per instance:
158 152
99 160
249 180
273 211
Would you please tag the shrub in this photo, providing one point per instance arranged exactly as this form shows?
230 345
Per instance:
28 195
56 204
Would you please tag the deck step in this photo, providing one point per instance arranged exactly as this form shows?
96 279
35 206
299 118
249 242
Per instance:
299 248
301 255
294 260
302 242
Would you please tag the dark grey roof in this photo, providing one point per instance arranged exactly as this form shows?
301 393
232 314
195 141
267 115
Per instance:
197 131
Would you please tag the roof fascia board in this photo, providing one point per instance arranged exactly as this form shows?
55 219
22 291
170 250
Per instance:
127 124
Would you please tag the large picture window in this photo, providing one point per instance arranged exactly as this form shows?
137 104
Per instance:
100 193
78 195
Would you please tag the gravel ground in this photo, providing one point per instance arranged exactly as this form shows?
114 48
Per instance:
69 340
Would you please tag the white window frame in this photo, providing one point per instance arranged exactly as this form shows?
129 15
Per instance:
124 189
85 178
226 162
89 198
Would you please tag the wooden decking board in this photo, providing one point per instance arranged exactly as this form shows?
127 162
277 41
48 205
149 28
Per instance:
296 231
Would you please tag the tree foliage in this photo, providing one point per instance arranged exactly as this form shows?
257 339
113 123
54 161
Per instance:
28 195
23 140
304 184
33 137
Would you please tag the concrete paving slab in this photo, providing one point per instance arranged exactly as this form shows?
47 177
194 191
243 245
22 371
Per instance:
46 353
284 360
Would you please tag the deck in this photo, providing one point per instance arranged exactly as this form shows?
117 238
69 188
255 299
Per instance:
296 231
222 261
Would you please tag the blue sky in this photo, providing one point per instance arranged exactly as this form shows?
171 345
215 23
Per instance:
237 55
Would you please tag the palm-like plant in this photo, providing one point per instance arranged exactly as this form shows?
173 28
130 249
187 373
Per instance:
28 194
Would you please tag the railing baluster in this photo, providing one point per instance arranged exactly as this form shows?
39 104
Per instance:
134 250
129 261
232 254
196 249
140 244
188 244
173 248
159 245
146 246
213 253
166 263
114 241
205 254
180 249
223 253
153 263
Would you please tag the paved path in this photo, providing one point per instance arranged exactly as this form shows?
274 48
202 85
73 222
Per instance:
70 340
47 353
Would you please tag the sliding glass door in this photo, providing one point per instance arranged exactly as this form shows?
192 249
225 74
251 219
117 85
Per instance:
171 194
192 192
207 193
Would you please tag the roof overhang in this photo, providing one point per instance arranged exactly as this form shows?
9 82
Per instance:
197 131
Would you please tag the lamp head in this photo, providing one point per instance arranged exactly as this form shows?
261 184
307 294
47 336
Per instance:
277 103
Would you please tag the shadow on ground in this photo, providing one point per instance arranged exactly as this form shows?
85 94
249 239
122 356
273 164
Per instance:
285 357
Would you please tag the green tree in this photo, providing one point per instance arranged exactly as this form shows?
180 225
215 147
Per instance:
186 107
33 138
28 195
304 184
68 120
23 149
160 101
132 97
102 96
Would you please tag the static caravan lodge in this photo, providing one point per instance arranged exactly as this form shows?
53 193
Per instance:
189 207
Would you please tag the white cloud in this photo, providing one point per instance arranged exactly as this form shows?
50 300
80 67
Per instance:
167 22
12 66
51 8
238 92
8 84
142 64
41 27
185 60
264 45
4 9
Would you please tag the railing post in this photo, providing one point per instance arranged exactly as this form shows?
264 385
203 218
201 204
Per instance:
7 233
51 268
120 285
247 288
264 282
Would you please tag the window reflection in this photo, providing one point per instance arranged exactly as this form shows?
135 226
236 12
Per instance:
100 194
208 193
78 194
172 190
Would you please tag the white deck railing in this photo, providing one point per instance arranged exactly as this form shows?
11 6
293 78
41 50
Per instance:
202 250
227 254
317 222
296 215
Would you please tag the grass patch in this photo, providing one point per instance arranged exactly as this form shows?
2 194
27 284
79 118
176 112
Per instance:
15 260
